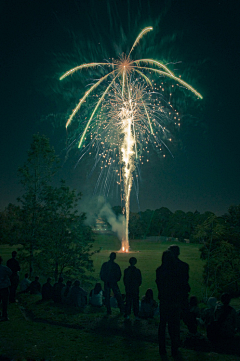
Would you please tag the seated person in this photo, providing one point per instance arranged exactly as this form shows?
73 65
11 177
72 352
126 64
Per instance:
35 287
207 314
66 292
77 296
47 290
57 289
148 305
24 285
113 302
96 296
225 321
194 314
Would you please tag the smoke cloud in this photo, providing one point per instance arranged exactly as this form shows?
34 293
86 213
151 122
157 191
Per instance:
98 207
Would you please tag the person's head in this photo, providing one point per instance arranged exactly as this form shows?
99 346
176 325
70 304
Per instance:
174 249
212 301
112 256
168 259
226 298
133 261
69 284
49 280
14 254
1 260
77 283
60 280
26 275
149 294
97 288
193 301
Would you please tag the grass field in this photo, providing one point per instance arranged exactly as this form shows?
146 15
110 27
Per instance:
149 256
56 333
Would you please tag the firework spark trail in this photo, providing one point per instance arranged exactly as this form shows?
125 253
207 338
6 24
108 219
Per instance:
124 115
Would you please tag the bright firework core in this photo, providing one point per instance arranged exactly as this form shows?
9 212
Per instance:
127 116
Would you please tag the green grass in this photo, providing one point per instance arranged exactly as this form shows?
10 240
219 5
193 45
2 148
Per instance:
58 333
149 256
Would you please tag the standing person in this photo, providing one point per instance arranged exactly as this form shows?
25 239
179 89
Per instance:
169 293
5 283
185 288
132 280
13 264
110 274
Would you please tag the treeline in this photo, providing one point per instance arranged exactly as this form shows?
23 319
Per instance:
163 222
218 238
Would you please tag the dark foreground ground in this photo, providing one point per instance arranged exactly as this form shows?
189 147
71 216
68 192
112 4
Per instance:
44 331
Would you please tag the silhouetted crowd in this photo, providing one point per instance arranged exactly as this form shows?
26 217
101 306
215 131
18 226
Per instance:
220 320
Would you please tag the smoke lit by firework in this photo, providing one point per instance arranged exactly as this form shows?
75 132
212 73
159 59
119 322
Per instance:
128 113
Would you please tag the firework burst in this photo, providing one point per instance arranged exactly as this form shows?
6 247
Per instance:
128 113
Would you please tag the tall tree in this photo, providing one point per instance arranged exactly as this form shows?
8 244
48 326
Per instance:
66 242
36 173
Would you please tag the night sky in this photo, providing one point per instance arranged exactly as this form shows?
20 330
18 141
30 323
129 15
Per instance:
40 40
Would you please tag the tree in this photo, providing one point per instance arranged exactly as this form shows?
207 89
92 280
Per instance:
178 225
135 226
66 242
160 221
36 173
221 271
232 222
10 225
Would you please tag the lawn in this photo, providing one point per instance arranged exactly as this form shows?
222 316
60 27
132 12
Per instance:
38 330
149 256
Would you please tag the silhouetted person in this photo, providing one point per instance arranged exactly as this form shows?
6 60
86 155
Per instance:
225 321
57 290
47 290
110 274
66 292
207 314
132 280
194 314
5 283
77 296
35 287
148 305
13 264
168 280
184 278
96 296
24 285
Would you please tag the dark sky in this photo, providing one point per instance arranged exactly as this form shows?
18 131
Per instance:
40 40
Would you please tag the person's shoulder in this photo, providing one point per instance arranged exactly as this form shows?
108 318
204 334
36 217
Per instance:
182 263
159 269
